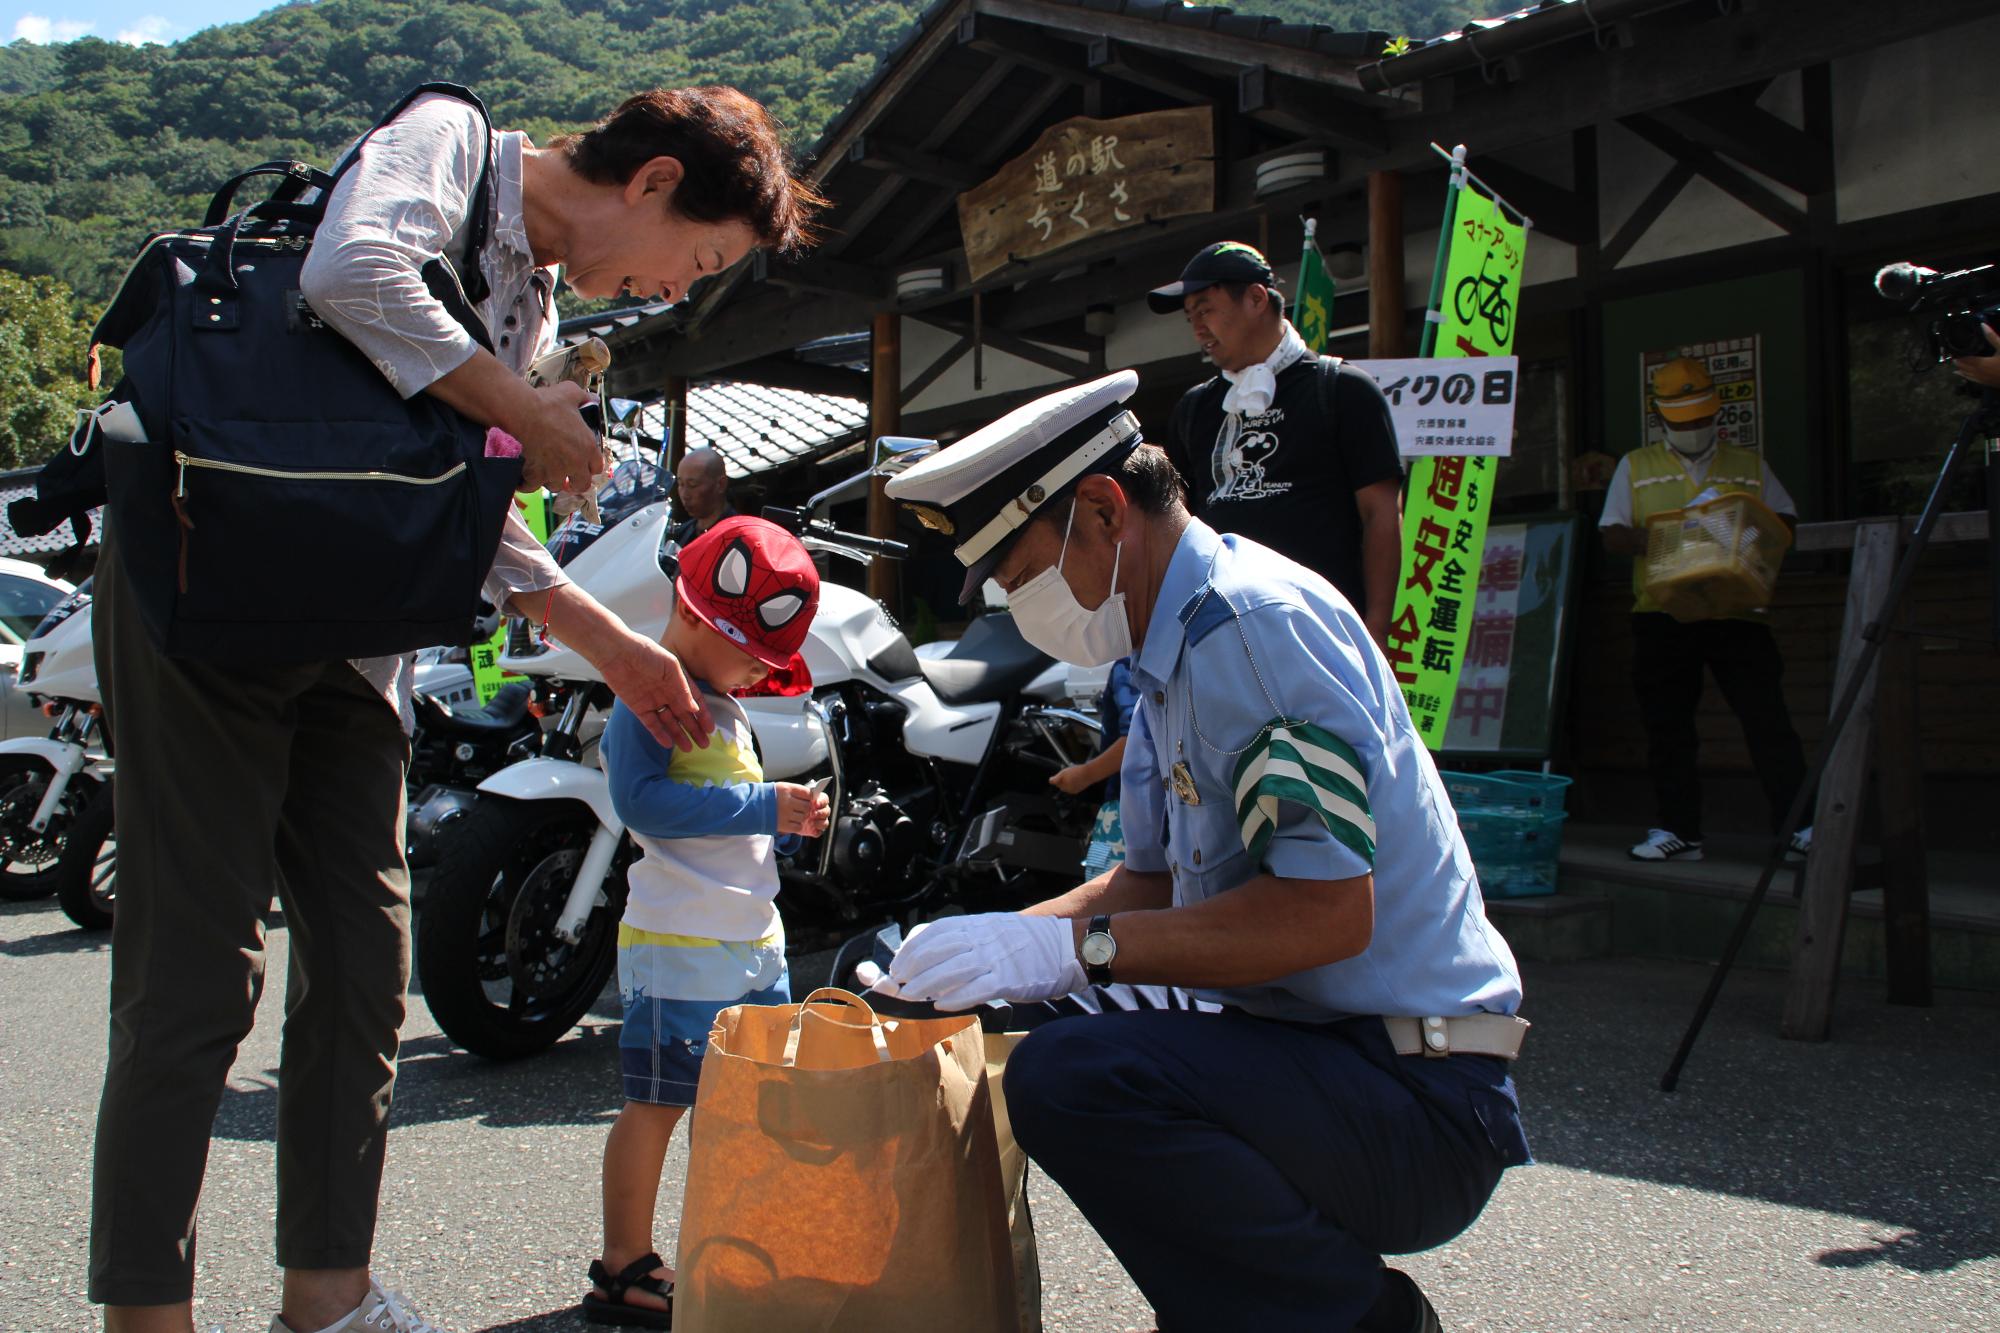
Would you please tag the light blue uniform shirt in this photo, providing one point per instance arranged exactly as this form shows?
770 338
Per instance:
1260 678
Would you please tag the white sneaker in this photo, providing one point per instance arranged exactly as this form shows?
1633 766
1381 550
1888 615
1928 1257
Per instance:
1801 844
384 1311
1663 845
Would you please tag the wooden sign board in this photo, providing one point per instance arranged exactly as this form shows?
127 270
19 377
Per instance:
1086 178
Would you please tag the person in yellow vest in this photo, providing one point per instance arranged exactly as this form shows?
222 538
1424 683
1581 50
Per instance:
1668 655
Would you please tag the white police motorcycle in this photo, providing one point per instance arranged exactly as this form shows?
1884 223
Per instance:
937 768
55 791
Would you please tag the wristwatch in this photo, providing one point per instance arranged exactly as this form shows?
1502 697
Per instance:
1097 951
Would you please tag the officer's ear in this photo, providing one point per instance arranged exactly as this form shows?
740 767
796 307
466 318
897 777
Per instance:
1101 500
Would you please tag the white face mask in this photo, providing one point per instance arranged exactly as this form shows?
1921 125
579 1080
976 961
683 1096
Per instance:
1692 443
1049 616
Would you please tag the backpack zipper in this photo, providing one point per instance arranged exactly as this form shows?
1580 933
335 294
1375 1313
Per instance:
187 461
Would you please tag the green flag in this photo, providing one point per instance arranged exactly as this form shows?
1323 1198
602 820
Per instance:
1313 306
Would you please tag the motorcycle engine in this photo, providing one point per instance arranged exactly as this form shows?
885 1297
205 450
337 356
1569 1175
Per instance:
875 842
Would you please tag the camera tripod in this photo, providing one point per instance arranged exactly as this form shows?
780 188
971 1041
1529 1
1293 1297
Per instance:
1982 422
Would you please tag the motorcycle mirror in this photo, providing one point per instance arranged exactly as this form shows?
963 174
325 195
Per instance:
894 453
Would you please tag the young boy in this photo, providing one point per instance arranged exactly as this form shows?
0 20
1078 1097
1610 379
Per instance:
701 931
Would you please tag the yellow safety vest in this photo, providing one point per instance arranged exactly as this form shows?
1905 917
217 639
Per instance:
1661 482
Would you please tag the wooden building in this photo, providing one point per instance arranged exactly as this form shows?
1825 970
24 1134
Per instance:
1698 172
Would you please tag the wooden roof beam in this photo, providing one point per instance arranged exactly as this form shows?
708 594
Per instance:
1308 110
973 99
1733 124
1183 39
864 213
1025 45
1732 181
788 372
831 277
1026 117
1143 69
871 150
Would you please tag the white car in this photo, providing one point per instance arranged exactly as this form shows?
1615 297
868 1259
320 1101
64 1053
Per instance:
26 595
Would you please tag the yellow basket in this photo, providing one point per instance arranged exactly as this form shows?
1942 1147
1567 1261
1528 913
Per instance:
1715 558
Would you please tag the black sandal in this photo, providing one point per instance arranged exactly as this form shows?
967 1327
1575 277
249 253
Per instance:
613 1309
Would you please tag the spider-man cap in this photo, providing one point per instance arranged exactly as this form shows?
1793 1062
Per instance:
753 583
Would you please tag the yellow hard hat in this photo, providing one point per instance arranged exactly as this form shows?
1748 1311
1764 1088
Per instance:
1683 391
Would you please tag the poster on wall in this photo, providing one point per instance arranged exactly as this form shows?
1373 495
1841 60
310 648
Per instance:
1733 363
1506 701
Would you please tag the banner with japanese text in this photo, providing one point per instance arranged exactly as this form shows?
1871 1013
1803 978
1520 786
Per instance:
1441 410
1474 294
486 673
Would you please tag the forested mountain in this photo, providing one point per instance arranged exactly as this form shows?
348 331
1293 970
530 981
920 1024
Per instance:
102 143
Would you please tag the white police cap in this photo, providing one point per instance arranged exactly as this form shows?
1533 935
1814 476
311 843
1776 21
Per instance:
983 490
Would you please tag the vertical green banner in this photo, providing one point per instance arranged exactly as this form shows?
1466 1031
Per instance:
1313 304
1474 296
486 673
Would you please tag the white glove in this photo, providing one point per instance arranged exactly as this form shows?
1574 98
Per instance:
962 961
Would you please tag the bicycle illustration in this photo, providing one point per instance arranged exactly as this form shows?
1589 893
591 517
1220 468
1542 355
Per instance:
1485 297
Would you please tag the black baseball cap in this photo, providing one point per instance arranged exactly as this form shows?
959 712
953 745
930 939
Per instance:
1225 261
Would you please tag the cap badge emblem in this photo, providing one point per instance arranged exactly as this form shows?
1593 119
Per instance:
934 519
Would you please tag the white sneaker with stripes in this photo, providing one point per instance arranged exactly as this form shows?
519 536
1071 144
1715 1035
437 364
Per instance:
1666 845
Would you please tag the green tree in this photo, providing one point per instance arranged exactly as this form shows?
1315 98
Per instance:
43 340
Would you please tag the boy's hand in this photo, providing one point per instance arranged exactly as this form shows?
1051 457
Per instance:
1071 780
802 810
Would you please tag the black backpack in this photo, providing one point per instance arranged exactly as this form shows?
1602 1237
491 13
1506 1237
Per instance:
288 504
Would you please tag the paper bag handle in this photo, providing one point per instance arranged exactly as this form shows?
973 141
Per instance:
846 998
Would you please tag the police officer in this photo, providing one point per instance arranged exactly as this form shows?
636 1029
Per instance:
1326 1080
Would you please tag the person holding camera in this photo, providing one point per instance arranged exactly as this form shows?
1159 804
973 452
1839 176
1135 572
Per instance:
236 779
1668 655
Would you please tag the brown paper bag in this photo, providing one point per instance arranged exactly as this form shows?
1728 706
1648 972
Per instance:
843 1174
1014 1176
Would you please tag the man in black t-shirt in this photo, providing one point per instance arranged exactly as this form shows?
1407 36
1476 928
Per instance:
1289 449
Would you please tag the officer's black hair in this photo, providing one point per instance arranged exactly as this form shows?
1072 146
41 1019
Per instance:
1149 479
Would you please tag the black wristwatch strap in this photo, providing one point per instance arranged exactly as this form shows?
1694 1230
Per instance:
1098 974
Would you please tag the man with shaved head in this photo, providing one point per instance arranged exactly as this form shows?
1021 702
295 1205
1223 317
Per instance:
702 485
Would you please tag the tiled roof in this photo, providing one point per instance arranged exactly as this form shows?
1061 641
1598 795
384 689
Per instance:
755 427
18 485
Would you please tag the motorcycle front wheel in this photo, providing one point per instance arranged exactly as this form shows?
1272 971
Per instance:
28 859
87 875
497 977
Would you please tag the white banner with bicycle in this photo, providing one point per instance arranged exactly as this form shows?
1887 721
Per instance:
1460 406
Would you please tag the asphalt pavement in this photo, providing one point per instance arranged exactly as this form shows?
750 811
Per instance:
1853 1185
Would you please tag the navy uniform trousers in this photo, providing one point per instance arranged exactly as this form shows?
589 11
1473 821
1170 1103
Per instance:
1250 1173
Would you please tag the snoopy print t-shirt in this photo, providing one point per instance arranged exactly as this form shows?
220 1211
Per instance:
1287 477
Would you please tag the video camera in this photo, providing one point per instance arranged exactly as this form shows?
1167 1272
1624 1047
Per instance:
1959 301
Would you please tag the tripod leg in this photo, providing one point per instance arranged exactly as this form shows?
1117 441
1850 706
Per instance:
1978 424
1906 917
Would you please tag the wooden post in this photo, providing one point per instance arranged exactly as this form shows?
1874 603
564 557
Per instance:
1837 819
1385 264
885 417
1899 777
674 448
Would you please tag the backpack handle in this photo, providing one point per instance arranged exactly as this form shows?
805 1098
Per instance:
298 177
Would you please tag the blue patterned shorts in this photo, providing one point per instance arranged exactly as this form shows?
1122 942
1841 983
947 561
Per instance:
673 986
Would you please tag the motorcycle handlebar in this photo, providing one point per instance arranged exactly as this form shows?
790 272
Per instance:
800 524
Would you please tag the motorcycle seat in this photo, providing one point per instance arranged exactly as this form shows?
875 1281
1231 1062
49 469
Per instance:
990 663
502 715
